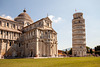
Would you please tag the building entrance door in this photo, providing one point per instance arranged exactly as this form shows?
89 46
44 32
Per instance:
31 53
75 55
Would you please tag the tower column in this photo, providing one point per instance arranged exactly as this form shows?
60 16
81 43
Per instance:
78 35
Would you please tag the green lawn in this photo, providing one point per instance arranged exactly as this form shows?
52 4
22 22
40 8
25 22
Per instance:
52 62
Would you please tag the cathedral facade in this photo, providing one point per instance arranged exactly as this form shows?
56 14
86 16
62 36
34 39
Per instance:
22 37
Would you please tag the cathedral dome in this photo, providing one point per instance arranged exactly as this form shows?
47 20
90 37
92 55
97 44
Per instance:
24 16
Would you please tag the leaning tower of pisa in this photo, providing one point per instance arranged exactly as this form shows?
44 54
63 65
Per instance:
78 35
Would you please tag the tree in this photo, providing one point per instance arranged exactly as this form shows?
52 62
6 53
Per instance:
97 49
91 51
70 51
66 51
88 49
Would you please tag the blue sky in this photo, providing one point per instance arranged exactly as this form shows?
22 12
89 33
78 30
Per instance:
61 13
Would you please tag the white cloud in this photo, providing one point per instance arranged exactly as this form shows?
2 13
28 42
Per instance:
7 17
54 19
51 17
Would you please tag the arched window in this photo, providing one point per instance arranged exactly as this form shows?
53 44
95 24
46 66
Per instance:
19 44
26 45
10 44
7 33
1 32
45 32
48 24
0 23
7 24
14 26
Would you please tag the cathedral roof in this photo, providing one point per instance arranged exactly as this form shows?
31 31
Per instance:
23 15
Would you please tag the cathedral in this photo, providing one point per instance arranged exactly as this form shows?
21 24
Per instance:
22 37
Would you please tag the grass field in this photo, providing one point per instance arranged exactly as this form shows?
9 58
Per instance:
52 62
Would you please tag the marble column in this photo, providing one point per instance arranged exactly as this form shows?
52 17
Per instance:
50 49
2 48
3 34
56 50
12 43
7 44
37 52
